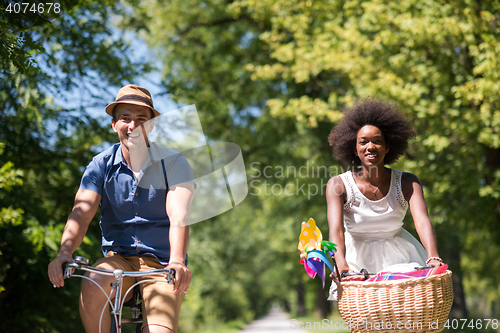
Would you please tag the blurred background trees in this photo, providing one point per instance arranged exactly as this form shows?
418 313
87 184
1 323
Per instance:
51 74
271 76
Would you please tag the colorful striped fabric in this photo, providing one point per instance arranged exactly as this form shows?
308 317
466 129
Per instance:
385 276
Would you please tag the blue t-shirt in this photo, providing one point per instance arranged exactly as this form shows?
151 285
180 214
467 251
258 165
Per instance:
134 220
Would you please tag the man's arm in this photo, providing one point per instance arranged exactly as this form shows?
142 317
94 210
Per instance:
179 198
84 209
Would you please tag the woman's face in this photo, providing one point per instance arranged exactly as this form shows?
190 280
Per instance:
371 146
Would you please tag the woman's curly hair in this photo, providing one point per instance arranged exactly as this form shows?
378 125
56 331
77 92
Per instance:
384 115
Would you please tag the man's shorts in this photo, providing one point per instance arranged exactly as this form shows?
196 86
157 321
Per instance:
160 305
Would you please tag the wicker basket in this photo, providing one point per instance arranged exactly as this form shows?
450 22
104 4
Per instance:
411 305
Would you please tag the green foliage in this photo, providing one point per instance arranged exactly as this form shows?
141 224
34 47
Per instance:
9 177
207 49
273 76
46 70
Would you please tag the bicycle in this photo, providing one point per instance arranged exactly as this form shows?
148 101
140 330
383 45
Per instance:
82 263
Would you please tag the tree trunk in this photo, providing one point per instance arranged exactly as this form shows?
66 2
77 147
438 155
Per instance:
452 254
324 307
301 305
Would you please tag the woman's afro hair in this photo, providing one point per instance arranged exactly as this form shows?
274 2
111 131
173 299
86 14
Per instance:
384 115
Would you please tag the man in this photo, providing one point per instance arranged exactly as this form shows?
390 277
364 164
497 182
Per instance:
145 192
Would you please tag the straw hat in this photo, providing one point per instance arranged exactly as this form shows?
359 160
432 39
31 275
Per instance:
132 94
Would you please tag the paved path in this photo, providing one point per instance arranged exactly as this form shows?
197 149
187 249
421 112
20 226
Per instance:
275 322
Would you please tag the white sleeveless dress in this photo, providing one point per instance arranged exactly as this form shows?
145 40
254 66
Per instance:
374 237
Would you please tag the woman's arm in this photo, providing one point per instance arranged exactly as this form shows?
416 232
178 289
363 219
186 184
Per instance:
335 197
413 193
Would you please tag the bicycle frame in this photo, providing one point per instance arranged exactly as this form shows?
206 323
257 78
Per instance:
82 263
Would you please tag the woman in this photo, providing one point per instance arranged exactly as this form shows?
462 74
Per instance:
370 202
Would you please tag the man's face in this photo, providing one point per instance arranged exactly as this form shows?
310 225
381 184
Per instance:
131 117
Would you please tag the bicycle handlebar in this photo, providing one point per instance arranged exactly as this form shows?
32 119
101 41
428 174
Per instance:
363 273
81 263
367 275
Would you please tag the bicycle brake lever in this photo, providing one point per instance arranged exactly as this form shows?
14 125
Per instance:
171 276
67 270
345 274
424 267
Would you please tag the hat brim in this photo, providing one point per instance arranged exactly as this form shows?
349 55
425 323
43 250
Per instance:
110 107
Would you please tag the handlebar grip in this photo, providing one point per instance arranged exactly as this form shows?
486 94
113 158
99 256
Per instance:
66 274
364 273
171 276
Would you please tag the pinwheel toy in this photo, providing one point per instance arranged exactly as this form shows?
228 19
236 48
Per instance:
315 253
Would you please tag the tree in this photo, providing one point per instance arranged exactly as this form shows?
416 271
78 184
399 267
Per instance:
9 177
48 72
273 76
208 48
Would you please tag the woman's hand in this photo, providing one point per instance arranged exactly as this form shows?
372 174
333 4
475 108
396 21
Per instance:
435 263
341 268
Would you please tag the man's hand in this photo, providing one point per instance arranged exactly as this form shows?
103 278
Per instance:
182 277
55 269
